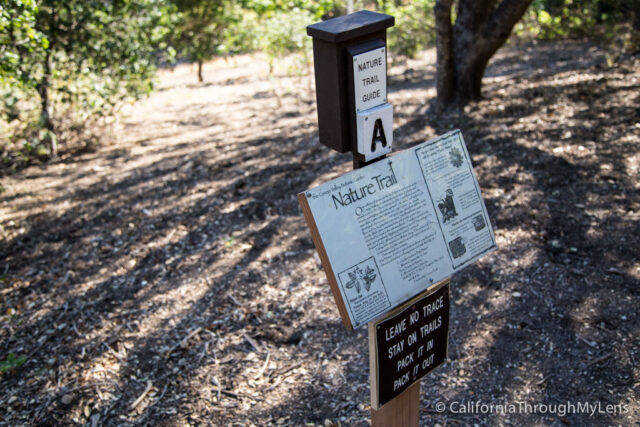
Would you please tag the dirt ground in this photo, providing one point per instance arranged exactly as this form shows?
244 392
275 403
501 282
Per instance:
168 277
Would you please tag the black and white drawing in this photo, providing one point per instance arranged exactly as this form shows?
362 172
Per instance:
455 157
363 287
478 222
457 247
360 277
447 207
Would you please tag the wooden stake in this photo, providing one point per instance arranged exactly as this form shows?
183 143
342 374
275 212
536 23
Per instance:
403 411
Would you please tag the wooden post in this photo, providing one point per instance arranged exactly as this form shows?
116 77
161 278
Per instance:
350 60
403 411
355 34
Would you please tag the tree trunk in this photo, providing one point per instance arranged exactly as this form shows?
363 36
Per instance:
43 86
444 53
464 49
46 120
200 79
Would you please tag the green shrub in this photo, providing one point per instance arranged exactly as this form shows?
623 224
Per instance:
414 28
613 23
283 33
73 62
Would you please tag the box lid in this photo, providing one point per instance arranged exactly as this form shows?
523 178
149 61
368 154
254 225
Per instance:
350 26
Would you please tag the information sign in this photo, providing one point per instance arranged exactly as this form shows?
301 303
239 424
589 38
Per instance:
370 79
390 230
408 344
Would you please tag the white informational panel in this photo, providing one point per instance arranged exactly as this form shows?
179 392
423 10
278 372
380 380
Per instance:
370 78
388 231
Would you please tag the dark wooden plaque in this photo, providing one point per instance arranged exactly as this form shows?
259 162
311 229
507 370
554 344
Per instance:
409 343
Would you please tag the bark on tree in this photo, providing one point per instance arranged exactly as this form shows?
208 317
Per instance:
200 79
45 110
46 121
465 48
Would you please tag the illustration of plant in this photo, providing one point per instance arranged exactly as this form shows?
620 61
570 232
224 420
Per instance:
354 279
455 157
368 278
358 279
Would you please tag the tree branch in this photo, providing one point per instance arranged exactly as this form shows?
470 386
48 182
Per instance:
473 14
505 17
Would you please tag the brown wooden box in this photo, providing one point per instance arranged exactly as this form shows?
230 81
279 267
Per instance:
332 40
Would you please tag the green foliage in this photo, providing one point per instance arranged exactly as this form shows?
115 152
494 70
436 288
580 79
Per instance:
267 26
285 32
560 19
606 21
278 21
266 8
203 25
12 362
66 63
241 35
277 27
18 39
112 47
414 28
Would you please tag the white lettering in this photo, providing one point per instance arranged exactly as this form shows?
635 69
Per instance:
375 62
405 362
396 329
395 349
401 381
